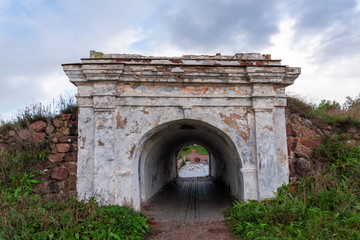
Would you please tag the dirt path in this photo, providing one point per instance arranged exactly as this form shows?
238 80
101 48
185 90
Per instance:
189 208
189 231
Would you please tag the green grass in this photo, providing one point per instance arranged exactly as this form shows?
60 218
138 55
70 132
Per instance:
187 150
328 112
24 216
323 207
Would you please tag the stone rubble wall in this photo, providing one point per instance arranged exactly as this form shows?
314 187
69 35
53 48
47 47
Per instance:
58 177
303 137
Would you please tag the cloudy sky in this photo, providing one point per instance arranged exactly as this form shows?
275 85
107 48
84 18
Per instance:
37 36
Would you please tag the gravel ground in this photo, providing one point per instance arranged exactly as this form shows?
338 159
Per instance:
194 170
189 231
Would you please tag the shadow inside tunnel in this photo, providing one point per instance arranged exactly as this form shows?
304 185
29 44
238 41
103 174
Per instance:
196 199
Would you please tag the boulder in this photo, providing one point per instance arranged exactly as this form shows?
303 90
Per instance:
302 165
307 123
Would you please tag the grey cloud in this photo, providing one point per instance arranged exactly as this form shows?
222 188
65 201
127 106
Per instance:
337 21
36 37
209 24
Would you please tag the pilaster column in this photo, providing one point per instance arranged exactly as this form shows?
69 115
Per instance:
104 142
85 162
269 170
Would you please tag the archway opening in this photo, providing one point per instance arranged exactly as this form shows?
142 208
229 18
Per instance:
193 161
158 170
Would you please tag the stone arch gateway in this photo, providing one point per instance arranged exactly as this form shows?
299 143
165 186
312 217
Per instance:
136 112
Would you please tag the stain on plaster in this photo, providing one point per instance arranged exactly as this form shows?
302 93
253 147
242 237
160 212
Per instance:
120 122
100 143
132 151
231 121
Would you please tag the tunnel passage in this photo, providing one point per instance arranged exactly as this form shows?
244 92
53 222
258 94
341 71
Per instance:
158 159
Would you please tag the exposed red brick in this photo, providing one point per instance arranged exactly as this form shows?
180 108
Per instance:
56 157
57 122
306 132
71 157
60 173
289 130
302 151
40 136
290 144
72 181
63 147
39 126
71 167
68 139
66 117
312 143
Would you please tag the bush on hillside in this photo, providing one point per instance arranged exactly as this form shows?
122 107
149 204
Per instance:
328 112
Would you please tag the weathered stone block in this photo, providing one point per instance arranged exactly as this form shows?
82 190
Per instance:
63 147
40 136
71 157
312 143
57 122
65 117
56 157
50 129
70 166
60 173
39 126
68 139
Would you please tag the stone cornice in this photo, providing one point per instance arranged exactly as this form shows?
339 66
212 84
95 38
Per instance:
239 69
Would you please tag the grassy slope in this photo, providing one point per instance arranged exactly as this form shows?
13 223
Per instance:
326 206
199 149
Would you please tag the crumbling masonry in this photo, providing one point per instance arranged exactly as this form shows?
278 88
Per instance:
137 112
